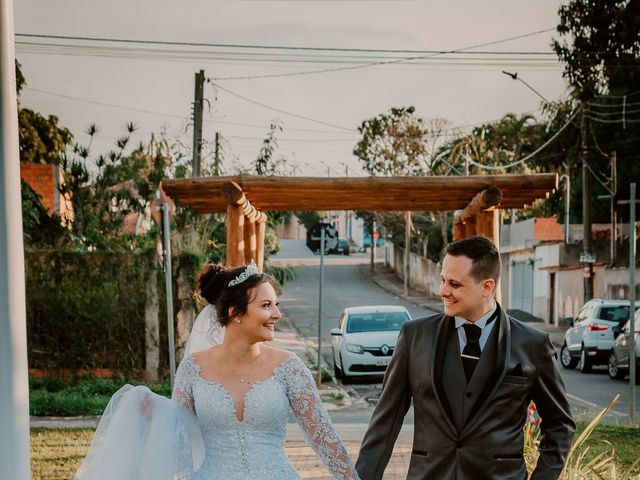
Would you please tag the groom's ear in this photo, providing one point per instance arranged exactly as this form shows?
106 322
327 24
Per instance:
488 287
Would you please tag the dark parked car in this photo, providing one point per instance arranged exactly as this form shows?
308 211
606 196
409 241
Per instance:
619 361
343 247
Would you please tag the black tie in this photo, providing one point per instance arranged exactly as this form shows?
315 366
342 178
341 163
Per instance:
471 352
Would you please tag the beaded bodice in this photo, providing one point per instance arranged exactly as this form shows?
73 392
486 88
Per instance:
253 448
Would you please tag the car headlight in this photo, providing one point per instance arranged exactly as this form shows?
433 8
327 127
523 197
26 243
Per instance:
353 348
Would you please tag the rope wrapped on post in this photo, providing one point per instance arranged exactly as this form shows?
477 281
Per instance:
233 195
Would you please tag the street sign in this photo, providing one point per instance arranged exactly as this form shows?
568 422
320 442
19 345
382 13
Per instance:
586 257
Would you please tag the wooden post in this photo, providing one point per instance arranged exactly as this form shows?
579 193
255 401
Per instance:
470 227
488 222
469 222
235 236
249 240
261 227
458 228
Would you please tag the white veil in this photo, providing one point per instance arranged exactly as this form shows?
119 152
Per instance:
145 436
206 331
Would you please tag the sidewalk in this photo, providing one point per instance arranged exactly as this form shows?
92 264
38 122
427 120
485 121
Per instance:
386 278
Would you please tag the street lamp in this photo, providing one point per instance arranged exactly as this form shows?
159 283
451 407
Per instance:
516 77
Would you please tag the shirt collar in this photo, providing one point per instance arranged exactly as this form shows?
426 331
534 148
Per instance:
482 321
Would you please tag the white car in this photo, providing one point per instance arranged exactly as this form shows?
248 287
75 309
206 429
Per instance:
590 339
365 340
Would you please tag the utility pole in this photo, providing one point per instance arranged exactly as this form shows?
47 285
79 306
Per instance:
198 107
632 299
216 165
587 258
14 369
407 251
614 218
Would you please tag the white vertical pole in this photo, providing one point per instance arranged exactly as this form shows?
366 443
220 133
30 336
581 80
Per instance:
168 282
14 376
632 301
322 246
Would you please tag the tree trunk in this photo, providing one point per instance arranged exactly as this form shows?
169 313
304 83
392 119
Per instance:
152 323
186 313
443 228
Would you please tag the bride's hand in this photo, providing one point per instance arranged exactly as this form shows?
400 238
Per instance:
146 407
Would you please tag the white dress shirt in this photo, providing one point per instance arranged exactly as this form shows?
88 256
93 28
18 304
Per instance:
481 323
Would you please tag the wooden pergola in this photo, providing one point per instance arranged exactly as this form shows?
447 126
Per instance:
475 200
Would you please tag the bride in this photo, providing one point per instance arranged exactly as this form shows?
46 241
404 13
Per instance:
228 415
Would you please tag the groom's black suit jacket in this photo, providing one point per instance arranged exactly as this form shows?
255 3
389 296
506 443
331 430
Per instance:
469 431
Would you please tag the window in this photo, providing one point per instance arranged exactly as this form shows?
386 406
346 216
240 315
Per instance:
376 322
619 314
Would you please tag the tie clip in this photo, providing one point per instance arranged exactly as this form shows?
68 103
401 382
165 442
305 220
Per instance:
469 356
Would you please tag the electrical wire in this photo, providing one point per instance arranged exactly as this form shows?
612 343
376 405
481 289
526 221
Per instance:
270 47
388 62
309 119
532 154
103 104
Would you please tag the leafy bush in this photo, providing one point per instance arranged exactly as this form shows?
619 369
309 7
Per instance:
85 309
78 396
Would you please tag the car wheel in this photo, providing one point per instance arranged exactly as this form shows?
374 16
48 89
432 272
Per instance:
566 360
584 364
344 377
612 367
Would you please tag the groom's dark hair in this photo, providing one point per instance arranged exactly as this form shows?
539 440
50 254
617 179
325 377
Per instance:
483 253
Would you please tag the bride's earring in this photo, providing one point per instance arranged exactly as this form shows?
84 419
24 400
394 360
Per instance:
236 320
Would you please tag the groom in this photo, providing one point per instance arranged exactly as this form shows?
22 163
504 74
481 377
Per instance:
471 373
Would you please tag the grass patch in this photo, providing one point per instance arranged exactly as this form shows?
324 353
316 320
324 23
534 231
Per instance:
78 396
57 454
624 439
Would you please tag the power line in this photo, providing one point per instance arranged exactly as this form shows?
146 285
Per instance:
390 62
280 110
277 47
532 154
103 104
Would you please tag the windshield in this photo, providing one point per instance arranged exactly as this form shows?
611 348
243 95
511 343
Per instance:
376 322
618 314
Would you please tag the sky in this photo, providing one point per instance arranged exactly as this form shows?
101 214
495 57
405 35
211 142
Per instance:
319 92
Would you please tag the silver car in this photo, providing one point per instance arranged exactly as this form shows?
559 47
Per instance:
619 360
590 339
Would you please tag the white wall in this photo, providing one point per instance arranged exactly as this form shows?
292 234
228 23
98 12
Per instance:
424 274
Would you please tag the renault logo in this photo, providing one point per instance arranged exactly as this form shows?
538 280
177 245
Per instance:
385 349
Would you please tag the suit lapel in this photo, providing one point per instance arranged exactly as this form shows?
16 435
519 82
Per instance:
503 356
438 354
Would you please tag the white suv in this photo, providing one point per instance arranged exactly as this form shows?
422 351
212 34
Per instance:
590 339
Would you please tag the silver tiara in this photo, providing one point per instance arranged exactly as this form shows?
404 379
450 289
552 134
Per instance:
251 269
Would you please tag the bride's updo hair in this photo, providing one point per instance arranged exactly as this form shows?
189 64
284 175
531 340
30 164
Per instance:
213 283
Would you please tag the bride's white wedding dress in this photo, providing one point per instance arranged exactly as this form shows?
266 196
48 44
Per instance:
197 435
253 447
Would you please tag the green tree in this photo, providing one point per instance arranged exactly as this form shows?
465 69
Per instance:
599 44
393 143
42 139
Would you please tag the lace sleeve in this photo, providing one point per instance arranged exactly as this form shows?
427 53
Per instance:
314 420
182 393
